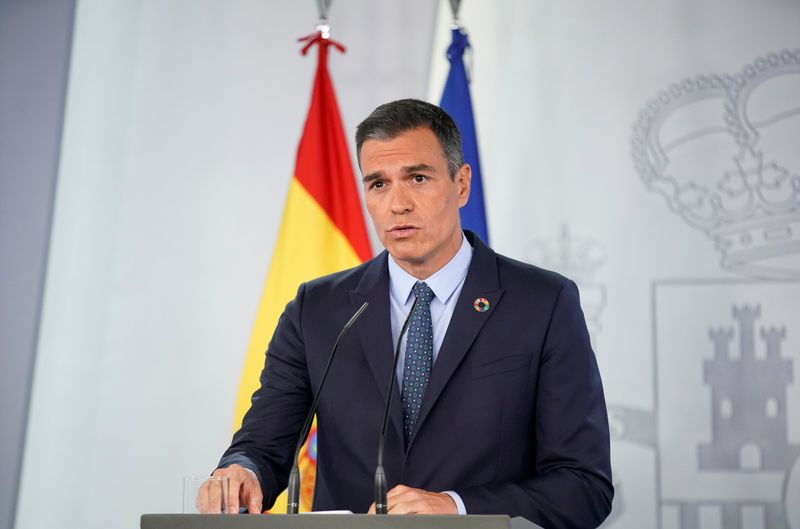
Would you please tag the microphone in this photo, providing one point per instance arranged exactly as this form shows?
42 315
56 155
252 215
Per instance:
380 475
293 490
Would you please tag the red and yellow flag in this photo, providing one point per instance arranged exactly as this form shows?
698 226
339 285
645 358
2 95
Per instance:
322 231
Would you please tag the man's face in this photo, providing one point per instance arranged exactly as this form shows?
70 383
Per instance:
412 200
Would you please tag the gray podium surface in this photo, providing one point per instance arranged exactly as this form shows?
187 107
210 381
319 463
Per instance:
329 521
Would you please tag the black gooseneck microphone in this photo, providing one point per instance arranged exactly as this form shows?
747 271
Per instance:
380 476
293 490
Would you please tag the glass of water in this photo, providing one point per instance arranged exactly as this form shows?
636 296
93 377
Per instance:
205 494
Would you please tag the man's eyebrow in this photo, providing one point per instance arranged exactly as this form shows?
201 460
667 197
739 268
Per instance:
372 176
408 169
419 167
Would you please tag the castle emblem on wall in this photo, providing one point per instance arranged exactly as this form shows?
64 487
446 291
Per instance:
727 405
749 427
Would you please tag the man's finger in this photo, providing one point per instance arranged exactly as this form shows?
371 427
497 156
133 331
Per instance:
251 494
207 500
214 505
254 506
407 500
398 489
232 501
201 501
404 507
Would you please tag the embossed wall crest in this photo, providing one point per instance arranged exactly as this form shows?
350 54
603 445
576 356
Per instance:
577 258
724 150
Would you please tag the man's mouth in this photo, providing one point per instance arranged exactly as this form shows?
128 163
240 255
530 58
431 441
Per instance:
402 230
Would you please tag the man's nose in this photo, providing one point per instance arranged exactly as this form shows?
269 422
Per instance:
400 200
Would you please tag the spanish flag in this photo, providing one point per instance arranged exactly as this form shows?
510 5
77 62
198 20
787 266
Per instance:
322 231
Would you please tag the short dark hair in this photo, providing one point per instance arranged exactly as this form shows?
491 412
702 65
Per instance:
390 120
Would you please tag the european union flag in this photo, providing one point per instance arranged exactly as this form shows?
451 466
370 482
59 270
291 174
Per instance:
457 102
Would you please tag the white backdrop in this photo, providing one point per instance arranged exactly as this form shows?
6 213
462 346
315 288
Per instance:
181 128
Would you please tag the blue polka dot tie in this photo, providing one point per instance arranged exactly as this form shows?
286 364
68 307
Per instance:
419 358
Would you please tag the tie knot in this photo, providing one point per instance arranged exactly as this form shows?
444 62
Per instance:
423 292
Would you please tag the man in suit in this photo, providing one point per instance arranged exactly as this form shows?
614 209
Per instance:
498 406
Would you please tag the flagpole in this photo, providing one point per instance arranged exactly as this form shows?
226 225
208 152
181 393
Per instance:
323 27
322 231
455 5
457 101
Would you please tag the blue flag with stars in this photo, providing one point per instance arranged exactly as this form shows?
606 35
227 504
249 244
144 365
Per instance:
457 102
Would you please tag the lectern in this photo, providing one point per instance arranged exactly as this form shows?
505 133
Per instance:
330 521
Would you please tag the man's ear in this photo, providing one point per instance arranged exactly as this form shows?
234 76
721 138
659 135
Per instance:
463 180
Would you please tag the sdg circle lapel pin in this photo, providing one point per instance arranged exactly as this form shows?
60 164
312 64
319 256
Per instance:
481 304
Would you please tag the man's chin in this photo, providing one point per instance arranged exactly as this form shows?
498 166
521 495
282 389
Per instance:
404 253
405 257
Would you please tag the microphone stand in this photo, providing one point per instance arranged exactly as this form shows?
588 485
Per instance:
380 476
293 490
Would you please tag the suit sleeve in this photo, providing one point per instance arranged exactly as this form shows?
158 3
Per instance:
571 483
270 429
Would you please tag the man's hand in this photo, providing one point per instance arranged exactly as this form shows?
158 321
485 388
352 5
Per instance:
405 500
243 490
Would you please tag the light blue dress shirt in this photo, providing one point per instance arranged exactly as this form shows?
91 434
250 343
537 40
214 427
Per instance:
446 284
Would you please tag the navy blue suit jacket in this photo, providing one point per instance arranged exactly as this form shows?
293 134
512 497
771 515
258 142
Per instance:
513 419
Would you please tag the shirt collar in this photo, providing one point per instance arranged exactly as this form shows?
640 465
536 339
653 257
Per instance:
443 282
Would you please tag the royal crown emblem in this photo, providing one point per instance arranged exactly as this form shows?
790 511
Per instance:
577 258
724 150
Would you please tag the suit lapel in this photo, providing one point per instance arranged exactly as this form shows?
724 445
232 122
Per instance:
376 333
481 282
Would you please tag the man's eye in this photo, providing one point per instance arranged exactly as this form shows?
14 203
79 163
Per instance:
377 185
420 178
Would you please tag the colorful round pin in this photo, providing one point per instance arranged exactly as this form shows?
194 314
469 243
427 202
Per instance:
481 304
